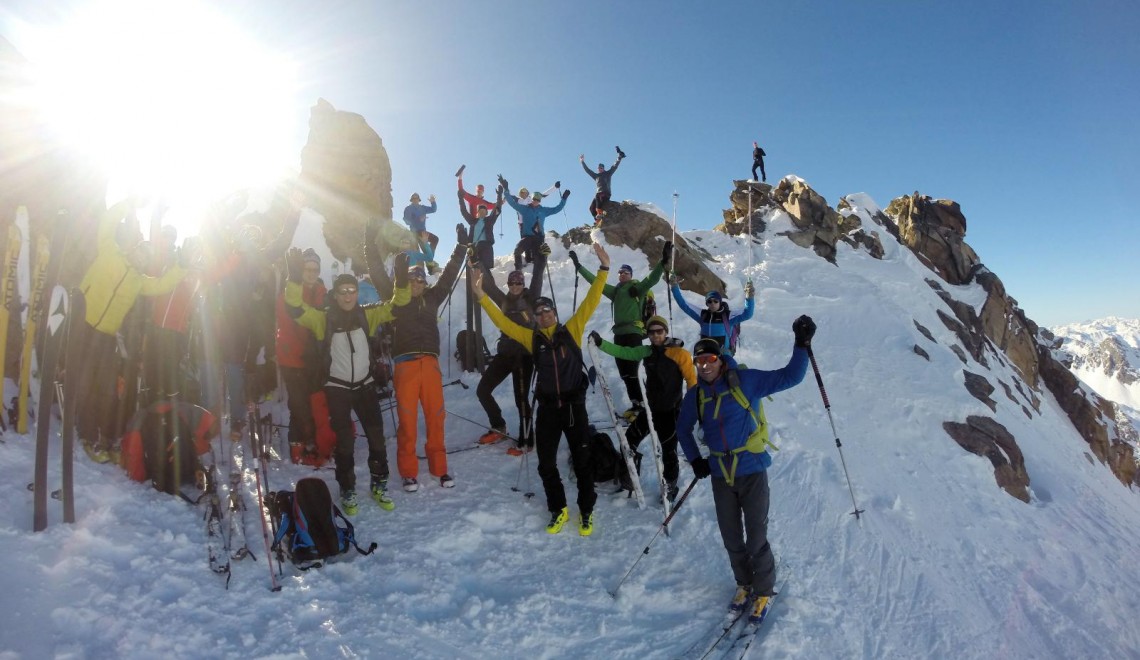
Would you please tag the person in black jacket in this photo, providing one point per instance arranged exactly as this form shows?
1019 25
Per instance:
758 161
511 358
417 378
602 179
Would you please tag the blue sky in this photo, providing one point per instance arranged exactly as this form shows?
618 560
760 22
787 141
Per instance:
1023 112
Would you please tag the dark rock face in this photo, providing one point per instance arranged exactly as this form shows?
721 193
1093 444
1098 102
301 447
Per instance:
627 224
346 176
985 437
980 389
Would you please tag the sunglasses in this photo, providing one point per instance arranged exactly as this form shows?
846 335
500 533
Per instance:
346 292
657 331
514 283
705 360
421 280
709 301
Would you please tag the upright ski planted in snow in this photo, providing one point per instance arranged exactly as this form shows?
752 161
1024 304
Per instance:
54 342
35 309
656 442
8 293
626 452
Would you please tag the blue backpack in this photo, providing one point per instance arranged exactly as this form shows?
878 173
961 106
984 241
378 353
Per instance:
307 531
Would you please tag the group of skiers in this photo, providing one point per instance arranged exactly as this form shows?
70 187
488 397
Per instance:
214 302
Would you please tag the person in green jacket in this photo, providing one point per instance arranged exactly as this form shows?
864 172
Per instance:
627 299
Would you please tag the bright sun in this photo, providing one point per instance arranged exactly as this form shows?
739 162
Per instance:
169 96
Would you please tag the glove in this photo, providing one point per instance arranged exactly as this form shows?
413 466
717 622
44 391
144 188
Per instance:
294 264
596 338
558 184
401 267
503 183
460 234
749 289
804 328
667 252
621 154
565 194
574 259
701 468
544 250
499 189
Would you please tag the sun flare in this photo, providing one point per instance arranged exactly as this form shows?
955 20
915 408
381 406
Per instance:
170 97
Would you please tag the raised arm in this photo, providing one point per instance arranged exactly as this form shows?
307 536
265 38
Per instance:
490 287
692 313
376 271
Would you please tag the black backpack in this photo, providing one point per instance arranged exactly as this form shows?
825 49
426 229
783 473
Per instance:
168 450
605 461
307 525
467 358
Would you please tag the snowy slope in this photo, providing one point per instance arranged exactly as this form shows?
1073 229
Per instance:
943 563
1106 356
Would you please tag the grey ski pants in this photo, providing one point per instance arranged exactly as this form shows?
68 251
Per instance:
742 515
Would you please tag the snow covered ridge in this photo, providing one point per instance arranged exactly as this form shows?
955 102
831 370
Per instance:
1105 355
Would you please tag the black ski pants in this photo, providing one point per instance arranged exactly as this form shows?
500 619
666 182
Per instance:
92 367
665 423
554 421
365 402
163 363
758 162
300 385
627 369
518 364
742 515
529 247
600 200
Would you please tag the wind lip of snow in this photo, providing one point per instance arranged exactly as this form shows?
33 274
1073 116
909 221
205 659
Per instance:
650 207
861 200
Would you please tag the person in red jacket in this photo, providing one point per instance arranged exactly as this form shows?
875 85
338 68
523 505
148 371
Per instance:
296 356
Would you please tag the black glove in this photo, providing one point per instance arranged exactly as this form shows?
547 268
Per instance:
294 264
565 194
574 259
499 189
459 172
621 154
667 252
460 234
596 338
804 328
503 183
558 184
401 267
701 467
544 250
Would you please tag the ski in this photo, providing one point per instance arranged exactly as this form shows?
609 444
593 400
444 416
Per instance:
35 308
9 284
261 478
54 338
219 558
642 380
747 634
626 453
238 546
704 646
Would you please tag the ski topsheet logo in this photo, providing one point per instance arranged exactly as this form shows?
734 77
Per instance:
58 308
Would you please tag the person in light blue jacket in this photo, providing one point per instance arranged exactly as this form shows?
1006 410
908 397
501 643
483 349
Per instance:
716 320
533 217
415 216
727 404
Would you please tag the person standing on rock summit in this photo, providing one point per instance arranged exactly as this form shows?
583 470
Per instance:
602 178
758 161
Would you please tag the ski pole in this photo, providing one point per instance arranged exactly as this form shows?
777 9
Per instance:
676 507
838 445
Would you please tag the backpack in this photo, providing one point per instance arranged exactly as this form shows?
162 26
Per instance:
380 365
467 358
307 525
168 450
606 462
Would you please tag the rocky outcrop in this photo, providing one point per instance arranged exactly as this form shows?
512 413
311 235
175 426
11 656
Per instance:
628 224
347 177
1095 418
987 438
934 230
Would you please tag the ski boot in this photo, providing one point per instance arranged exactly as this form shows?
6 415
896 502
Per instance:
585 524
494 435
348 503
380 494
557 520
447 481
411 485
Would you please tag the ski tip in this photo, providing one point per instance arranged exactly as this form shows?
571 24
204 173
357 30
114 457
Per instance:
275 589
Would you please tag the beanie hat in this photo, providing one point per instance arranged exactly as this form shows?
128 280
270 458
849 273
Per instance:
655 321
523 192
417 272
627 268
543 301
311 255
516 277
713 295
537 197
344 278
706 346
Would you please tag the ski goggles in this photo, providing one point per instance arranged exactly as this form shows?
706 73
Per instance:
346 291
543 309
706 359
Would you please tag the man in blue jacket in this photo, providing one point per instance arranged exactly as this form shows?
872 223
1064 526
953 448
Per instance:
533 217
727 404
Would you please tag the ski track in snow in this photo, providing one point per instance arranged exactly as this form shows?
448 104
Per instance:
942 563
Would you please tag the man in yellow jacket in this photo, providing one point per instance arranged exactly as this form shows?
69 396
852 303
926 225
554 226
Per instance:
108 291
560 390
